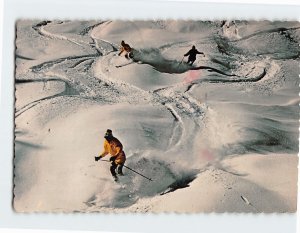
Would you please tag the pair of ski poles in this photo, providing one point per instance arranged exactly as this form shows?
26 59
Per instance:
104 160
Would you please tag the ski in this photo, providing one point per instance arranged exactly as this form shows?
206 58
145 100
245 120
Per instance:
118 66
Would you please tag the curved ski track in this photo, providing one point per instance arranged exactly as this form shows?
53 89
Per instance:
182 107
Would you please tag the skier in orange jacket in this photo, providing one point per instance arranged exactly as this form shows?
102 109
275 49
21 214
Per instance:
113 147
125 48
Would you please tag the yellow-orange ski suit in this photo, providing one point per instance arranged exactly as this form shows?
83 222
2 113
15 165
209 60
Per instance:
115 148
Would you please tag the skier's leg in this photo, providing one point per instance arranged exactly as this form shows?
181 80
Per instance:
120 167
192 62
130 55
113 169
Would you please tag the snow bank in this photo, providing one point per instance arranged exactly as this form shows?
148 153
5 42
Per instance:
241 184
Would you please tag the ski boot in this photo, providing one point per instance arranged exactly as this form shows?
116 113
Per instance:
116 179
120 174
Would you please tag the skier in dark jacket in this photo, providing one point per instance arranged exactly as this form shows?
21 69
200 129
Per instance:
192 55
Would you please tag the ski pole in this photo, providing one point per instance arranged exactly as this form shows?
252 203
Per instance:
130 170
180 61
138 173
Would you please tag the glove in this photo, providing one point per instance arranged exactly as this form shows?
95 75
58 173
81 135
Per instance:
112 159
97 158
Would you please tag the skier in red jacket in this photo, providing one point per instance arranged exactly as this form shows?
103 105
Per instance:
125 48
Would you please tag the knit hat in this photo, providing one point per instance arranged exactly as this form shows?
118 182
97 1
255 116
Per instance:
108 133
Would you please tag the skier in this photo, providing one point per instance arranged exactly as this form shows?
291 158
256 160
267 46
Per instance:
192 55
113 147
125 48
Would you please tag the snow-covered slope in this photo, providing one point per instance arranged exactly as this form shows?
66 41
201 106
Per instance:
189 128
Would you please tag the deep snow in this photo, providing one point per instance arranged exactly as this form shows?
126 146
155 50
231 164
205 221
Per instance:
180 125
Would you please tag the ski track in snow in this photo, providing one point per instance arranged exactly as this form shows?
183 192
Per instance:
41 30
182 106
281 29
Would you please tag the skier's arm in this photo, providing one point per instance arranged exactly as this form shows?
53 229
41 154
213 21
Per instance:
113 157
121 51
188 53
199 52
105 151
